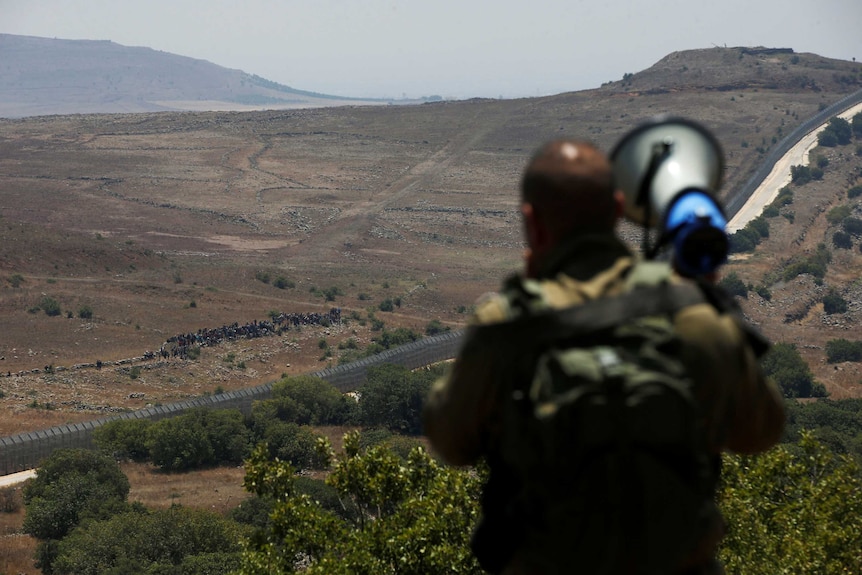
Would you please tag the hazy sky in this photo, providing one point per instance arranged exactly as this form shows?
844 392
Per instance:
452 48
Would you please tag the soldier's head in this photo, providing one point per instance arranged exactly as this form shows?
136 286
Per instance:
567 189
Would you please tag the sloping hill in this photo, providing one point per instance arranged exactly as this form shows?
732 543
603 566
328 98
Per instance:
165 223
40 76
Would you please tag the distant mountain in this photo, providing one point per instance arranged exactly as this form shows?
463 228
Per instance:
42 76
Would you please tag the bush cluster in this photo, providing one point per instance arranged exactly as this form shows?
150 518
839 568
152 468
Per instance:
840 350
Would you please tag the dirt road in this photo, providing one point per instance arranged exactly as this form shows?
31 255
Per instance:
780 175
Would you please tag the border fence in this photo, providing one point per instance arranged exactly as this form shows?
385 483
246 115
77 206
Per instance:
734 202
26 450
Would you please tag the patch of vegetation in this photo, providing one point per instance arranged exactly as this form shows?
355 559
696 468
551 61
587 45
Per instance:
841 350
50 306
834 303
814 264
435 326
283 283
837 133
784 364
837 214
734 285
842 240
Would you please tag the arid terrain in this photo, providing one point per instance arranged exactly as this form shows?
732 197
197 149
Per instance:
161 224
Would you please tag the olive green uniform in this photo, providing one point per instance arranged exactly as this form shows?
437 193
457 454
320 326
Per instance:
743 410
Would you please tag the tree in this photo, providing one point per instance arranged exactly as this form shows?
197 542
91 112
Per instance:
176 446
124 438
313 401
841 128
157 541
742 241
199 438
827 139
784 364
70 486
294 444
794 509
839 350
414 516
392 397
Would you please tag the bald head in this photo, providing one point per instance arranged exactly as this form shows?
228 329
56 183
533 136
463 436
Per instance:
568 183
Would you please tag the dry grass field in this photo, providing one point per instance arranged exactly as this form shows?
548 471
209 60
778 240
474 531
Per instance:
165 223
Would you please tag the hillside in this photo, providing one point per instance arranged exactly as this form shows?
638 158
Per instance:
165 223
44 76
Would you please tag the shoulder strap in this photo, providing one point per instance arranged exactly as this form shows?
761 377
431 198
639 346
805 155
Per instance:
596 315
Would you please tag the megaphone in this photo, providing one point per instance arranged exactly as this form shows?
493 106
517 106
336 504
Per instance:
669 170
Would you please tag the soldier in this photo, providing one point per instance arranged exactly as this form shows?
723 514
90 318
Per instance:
570 210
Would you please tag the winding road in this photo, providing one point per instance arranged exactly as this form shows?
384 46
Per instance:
780 175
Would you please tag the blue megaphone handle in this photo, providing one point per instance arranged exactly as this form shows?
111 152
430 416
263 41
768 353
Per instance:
696 224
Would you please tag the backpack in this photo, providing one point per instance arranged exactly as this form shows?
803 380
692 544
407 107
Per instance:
602 455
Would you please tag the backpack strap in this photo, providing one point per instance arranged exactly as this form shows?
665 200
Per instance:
596 315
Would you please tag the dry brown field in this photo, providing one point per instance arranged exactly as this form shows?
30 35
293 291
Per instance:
166 223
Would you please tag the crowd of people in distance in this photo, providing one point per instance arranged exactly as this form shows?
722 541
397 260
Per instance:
179 345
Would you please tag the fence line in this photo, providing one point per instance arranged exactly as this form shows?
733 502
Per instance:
736 200
26 450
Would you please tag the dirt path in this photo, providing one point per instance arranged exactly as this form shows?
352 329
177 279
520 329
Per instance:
780 175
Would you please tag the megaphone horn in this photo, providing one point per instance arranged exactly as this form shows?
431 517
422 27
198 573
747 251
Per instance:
669 170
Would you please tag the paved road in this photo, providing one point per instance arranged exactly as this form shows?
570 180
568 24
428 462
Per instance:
7 480
780 175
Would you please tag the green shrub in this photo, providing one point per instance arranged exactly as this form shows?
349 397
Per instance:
784 197
793 376
838 213
435 327
771 211
842 240
295 444
800 175
814 264
283 283
50 306
733 285
840 350
764 292
854 192
85 312
834 303
852 226
124 438
175 541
